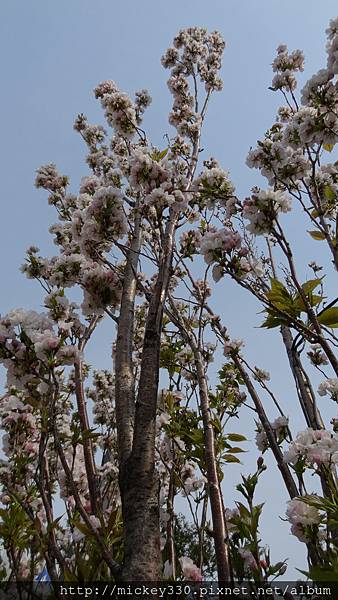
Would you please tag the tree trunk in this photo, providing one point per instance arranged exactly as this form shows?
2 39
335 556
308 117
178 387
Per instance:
219 528
138 480
124 375
306 398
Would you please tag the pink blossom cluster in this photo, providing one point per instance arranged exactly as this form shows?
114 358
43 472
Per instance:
230 514
102 393
232 346
64 270
147 174
318 88
22 437
250 563
329 387
94 136
310 126
190 571
323 186
318 358
191 481
332 46
285 65
302 516
279 427
213 186
20 447
49 178
183 116
162 419
102 288
30 346
34 352
283 156
216 241
103 221
262 210
120 111
197 54
159 177
301 513
90 224
190 241
64 314
278 160
315 447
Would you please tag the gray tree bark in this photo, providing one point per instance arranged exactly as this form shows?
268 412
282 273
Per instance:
138 480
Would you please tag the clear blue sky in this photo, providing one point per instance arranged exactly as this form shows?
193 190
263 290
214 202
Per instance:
54 53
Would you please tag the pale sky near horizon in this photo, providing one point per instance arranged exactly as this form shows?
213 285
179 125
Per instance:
54 53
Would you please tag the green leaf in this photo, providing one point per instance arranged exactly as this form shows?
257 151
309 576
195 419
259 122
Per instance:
277 567
314 213
256 513
308 287
306 573
229 458
329 193
315 299
90 434
329 317
312 298
311 285
82 527
69 576
216 422
271 321
328 147
313 500
278 291
318 573
54 524
243 511
236 437
157 155
317 235
163 153
280 297
197 436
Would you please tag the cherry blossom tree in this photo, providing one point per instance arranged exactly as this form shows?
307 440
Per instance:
143 243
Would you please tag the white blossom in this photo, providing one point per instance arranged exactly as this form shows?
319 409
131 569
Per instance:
299 512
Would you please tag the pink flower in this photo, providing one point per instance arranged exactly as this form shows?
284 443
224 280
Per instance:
249 559
190 570
300 513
